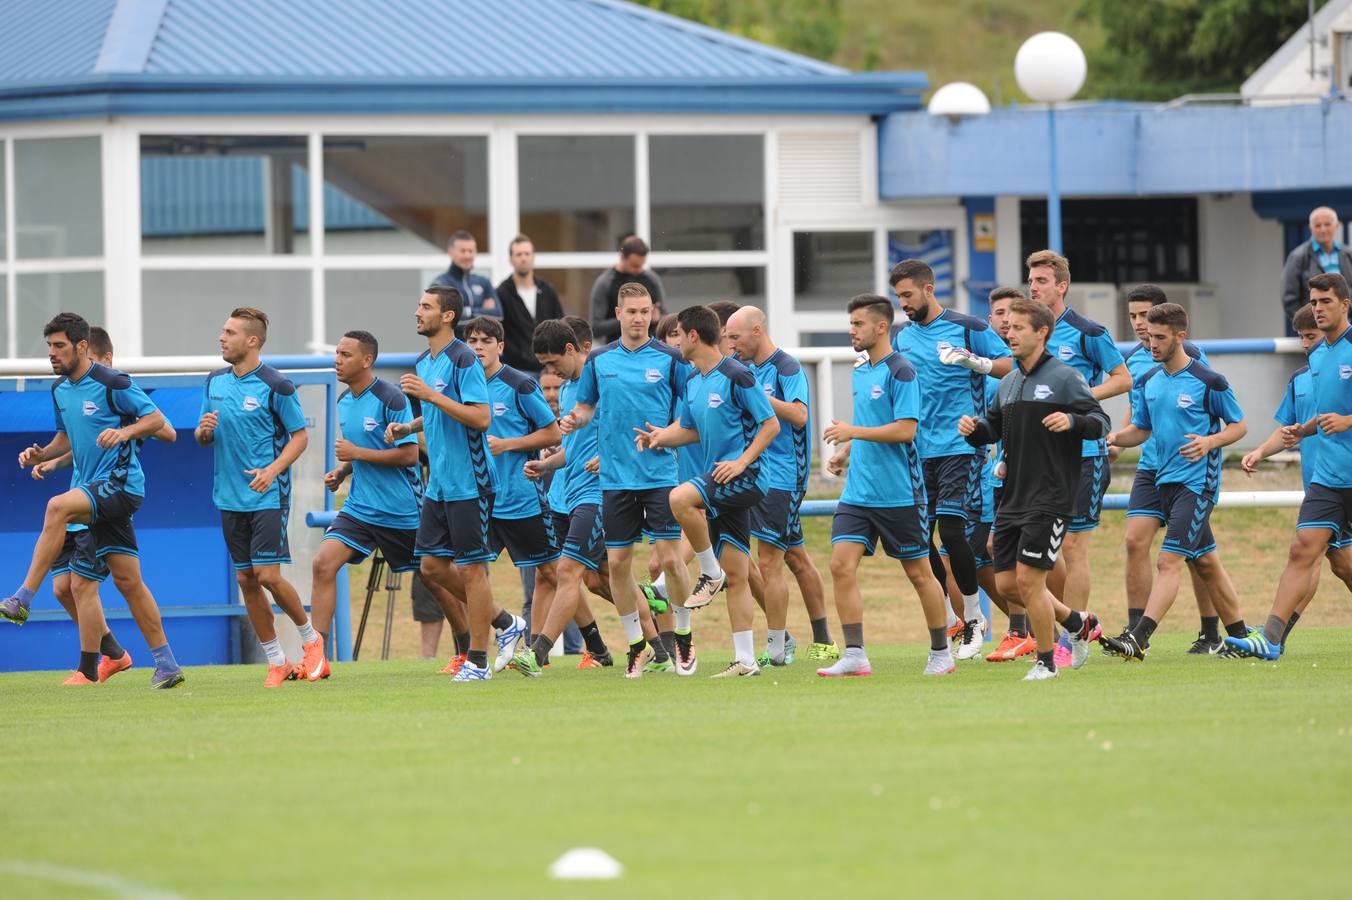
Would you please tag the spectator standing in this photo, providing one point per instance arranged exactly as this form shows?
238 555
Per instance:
480 297
1322 253
525 301
631 266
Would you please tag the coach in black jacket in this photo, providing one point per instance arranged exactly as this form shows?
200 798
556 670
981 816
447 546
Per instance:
526 301
1042 412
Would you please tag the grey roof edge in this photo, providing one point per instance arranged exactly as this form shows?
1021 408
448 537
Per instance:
131 33
1296 44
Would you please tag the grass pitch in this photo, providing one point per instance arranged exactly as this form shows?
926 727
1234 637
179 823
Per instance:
1179 775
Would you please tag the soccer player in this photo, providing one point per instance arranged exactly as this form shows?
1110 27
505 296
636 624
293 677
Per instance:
1191 413
252 419
1326 513
952 354
453 545
1087 347
724 408
884 496
101 419
775 523
636 382
1297 407
575 498
1145 512
522 426
1043 411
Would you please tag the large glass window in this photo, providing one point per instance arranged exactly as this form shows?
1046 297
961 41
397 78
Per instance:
43 296
3 205
403 194
223 194
707 192
58 197
182 312
576 193
1120 240
934 248
4 315
830 267
691 287
380 301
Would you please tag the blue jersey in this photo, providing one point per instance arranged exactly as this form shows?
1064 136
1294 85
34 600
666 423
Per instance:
573 484
727 406
1297 408
457 456
789 457
1088 348
994 454
103 398
884 474
256 415
690 462
1194 400
947 393
1140 362
1331 378
519 408
388 496
632 388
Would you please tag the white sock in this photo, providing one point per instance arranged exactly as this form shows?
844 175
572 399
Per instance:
273 649
682 618
708 562
660 585
971 606
774 643
307 632
633 631
744 645
952 616
855 652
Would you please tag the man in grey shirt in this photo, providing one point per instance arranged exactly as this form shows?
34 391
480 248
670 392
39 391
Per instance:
1322 253
632 266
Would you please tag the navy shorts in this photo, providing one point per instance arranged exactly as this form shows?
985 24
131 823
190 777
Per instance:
901 529
456 529
626 516
1187 522
1330 508
775 520
1095 473
256 538
1033 542
529 542
729 508
62 564
1145 497
953 486
585 539
110 529
395 544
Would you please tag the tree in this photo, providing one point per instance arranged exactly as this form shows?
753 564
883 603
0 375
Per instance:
810 27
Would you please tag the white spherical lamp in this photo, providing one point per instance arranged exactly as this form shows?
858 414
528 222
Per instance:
1050 67
959 99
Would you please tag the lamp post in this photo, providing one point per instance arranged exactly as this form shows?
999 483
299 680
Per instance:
1050 68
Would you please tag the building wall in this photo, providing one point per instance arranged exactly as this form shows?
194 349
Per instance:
1242 256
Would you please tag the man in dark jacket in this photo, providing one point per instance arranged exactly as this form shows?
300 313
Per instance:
480 298
632 266
1043 411
526 301
1322 253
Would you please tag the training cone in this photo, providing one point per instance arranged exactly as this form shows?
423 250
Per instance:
586 862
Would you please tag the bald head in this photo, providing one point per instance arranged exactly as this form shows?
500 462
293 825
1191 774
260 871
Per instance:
746 332
1324 226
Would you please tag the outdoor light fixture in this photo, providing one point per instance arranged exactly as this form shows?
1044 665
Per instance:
959 99
1050 68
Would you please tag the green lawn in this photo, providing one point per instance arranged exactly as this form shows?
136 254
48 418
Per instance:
386 781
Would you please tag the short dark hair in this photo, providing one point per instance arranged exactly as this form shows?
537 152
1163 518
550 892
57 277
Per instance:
73 326
724 310
876 305
1304 319
100 343
1039 315
520 239
488 326
703 321
581 328
1006 293
665 326
256 319
368 343
553 336
1147 293
460 234
1330 281
449 298
633 245
1171 314
915 269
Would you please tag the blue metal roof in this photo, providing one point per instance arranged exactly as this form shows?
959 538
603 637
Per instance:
109 57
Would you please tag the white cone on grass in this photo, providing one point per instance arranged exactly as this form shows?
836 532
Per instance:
586 863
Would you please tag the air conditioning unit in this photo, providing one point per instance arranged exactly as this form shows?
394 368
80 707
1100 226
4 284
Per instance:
1096 301
1198 300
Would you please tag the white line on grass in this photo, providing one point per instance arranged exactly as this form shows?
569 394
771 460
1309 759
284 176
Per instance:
85 878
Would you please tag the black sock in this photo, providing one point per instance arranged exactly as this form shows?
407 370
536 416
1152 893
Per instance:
938 638
1143 630
1073 622
109 646
502 620
660 653
1048 659
1290 623
683 641
89 665
530 639
591 636
1018 624
461 642
1134 616
854 635
637 647
541 645
668 641
1239 629
478 658
821 632
1211 628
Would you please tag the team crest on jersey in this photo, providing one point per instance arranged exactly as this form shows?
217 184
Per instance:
1066 352
251 403
942 346
769 391
439 385
370 424
1042 391
1185 401
715 401
1344 372
90 407
652 376
875 392
499 409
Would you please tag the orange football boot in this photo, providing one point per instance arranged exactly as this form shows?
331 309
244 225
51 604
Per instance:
110 667
278 674
77 677
454 665
315 664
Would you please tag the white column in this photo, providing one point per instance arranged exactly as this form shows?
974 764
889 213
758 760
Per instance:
11 280
121 172
504 210
315 155
643 220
